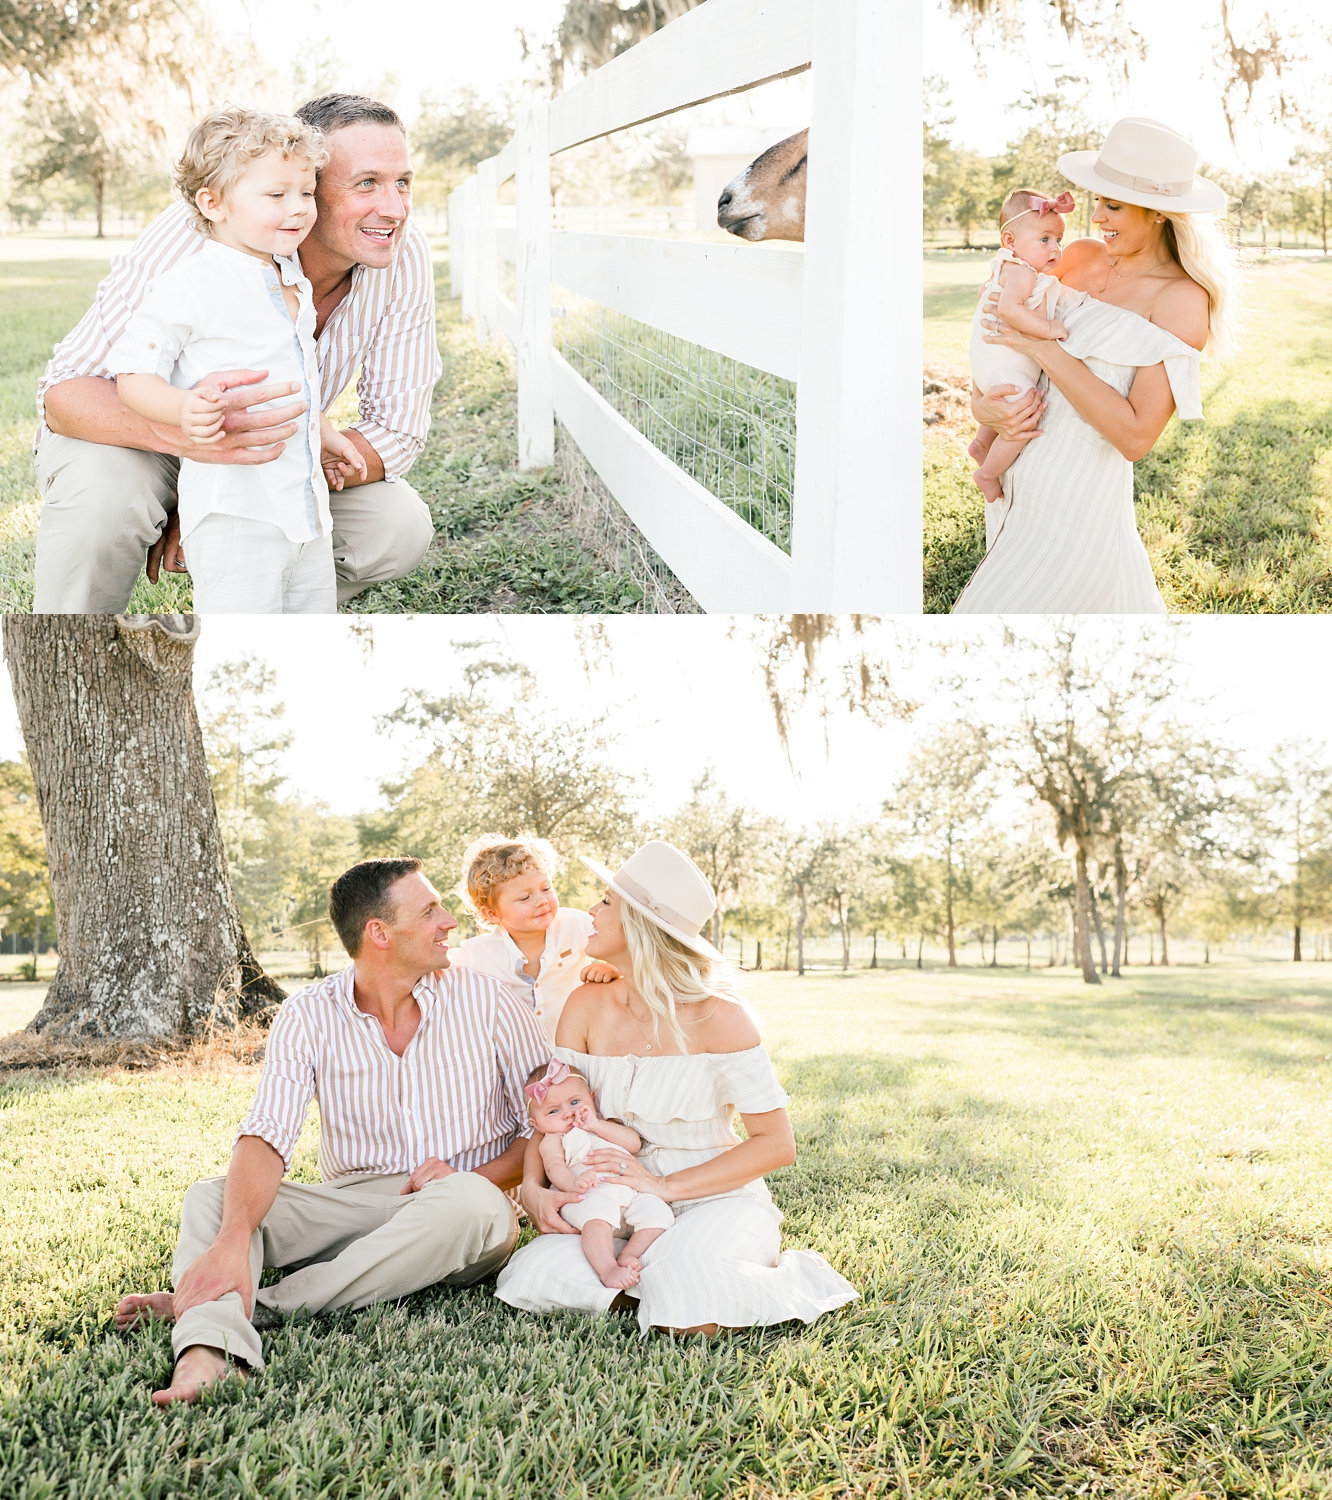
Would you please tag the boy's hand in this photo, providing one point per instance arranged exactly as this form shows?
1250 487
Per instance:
598 972
341 458
202 414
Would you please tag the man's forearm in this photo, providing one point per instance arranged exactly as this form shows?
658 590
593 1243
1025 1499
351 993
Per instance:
374 465
253 1179
90 408
506 1170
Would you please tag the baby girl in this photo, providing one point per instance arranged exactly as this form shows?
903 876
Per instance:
1030 230
564 1113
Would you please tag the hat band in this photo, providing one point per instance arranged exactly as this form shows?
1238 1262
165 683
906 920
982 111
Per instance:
1144 184
668 914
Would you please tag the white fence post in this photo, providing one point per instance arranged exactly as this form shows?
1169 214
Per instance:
467 257
455 212
536 409
856 524
487 259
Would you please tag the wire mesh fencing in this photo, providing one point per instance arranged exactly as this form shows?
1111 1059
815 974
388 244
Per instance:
725 424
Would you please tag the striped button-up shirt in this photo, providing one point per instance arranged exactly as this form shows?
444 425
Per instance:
384 326
455 1093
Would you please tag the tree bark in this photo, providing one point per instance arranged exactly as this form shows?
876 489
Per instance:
1095 906
149 937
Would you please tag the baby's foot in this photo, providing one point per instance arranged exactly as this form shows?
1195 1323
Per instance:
629 1262
619 1277
144 1307
990 487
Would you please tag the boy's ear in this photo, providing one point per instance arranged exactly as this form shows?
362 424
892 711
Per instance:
209 204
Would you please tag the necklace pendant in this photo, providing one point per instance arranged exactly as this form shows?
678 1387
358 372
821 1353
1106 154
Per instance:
649 1046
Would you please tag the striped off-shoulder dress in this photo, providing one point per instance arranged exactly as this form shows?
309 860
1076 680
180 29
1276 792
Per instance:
721 1261
1063 538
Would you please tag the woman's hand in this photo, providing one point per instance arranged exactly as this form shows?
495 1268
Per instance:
627 1171
1010 419
543 1207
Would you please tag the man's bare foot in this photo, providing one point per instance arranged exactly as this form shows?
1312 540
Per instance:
144 1307
198 1367
989 487
618 1277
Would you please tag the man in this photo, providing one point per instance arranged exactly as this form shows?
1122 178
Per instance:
108 477
419 1073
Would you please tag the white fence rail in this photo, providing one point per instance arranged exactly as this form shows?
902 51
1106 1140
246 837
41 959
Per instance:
842 320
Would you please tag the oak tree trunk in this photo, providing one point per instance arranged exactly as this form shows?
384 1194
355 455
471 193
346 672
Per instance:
1082 919
149 937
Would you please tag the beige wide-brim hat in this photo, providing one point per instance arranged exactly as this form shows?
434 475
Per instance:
668 888
1147 163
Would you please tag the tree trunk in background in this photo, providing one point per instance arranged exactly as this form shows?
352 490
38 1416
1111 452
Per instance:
149 937
1100 929
1121 907
1082 920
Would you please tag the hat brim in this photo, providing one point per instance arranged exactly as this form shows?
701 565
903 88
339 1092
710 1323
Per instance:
699 945
1080 168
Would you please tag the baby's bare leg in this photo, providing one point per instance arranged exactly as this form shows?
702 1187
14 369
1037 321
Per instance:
599 1248
980 444
630 1258
1000 458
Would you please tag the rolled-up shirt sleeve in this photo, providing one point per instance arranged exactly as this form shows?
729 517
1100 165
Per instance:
401 364
286 1086
154 336
520 1046
83 351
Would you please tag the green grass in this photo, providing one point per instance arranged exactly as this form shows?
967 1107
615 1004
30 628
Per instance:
500 543
1236 512
1091 1230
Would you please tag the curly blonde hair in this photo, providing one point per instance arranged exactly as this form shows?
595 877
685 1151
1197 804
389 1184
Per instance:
492 860
224 143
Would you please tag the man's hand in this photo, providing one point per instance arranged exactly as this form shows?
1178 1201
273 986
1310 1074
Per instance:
166 550
430 1170
543 1207
224 1267
341 458
247 437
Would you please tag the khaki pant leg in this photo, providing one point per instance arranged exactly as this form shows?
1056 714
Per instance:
307 1221
455 1230
380 531
102 508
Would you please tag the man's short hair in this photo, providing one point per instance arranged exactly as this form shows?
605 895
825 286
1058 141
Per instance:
223 144
362 895
336 111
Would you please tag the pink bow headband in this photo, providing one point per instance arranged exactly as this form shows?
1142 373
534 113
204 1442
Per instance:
555 1074
1065 203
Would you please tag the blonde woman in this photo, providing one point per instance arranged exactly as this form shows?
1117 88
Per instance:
670 1050
1063 537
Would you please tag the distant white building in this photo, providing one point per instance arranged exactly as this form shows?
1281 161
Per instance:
718 152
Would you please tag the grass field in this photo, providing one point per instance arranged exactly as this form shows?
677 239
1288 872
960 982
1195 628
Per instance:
1236 511
500 543
1091 1230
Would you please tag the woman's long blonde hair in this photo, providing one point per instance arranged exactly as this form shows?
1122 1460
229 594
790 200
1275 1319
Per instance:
1197 242
666 973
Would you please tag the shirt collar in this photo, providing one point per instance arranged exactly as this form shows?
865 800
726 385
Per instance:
286 267
425 991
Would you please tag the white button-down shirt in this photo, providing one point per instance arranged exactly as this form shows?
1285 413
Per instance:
455 1093
564 955
384 328
224 310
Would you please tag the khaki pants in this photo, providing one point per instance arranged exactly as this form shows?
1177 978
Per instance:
103 507
353 1242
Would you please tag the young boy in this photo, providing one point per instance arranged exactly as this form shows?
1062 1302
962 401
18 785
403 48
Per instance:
536 946
258 538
